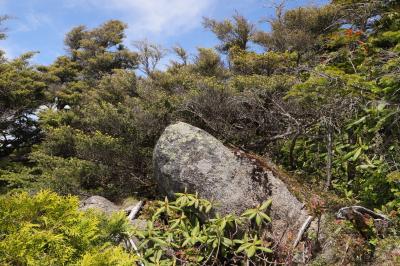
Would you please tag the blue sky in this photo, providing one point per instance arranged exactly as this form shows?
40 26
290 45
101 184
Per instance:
40 25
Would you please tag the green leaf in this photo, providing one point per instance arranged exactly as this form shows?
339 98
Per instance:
359 121
159 241
267 250
200 258
258 219
266 204
356 154
250 214
251 251
196 229
266 217
227 242
243 247
223 225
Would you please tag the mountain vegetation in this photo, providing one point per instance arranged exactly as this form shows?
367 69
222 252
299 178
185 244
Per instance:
320 98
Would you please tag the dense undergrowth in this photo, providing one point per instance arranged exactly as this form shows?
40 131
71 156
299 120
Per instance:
47 229
322 101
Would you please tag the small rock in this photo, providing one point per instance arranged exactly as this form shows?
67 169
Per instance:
140 224
100 203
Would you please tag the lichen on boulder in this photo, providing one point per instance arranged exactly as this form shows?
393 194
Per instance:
186 157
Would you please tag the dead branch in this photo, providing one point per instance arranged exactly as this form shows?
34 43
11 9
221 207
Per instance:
302 230
134 210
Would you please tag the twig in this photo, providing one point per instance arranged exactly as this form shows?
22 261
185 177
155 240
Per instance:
208 258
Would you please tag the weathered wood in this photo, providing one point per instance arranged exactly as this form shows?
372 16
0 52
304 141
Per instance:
135 210
130 243
302 230
360 216
341 214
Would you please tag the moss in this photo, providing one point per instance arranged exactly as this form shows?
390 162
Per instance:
388 251
301 190
129 201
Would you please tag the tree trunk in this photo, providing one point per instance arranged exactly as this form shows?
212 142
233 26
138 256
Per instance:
291 150
329 147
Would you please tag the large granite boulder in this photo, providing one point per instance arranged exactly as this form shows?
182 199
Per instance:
187 157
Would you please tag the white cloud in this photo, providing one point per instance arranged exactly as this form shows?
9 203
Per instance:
32 21
166 17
